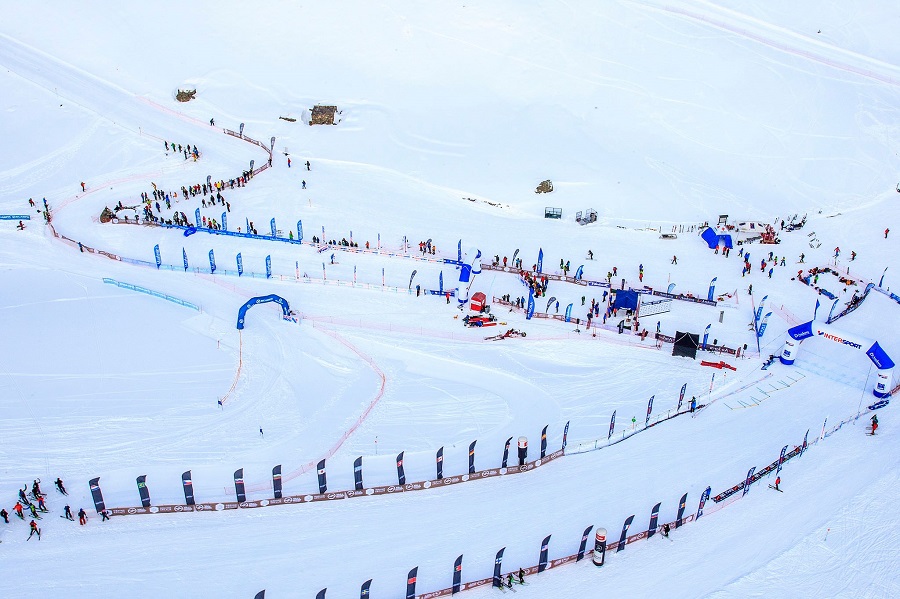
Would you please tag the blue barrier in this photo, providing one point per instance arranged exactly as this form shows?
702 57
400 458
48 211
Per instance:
158 294
191 230
15 217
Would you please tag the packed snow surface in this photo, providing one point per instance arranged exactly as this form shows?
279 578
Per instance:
660 116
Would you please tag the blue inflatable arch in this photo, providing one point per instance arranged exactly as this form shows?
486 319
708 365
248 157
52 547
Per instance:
873 350
261 300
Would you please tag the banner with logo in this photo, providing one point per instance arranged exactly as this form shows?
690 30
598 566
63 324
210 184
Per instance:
654 518
401 475
457 575
679 519
411 583
544 442
188 488
239 485
320 473
584 540
357 474
506 453
703 499
143 490
472 456
545 549
156 255
276 481
624 536
96 494
498 563
439 463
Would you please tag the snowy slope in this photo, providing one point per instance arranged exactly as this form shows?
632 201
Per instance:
657 115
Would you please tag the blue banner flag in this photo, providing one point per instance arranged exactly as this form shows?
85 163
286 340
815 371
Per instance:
441 283
568 312
759 310
299 230
565 434
762 325
681 395
579 273
530 311
212 262
712 289
459 251
671 288
703 499
272 225
224 221
240 264
816 310
197 217
649 410
156 254
540 263
184 257
268 266
411 277
781 459
706 335
749 480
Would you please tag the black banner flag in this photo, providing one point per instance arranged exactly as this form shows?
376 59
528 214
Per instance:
364 589
439 461
401 475
654 518
142 489
239 485
506 453
544 442
357 474
681 504
321 594
472 457
411 583
320 472
261 595
583 546
624 536
545 549
97 495
276 481
565 434
457 575
498 563
188 488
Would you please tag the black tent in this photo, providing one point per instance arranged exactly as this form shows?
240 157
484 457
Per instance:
686 345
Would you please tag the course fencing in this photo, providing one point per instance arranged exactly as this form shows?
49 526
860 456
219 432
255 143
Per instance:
165 296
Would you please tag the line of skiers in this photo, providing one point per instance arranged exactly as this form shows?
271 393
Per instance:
36 505
188 151
518 578
154 199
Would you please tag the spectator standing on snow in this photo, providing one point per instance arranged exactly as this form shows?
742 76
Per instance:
82 517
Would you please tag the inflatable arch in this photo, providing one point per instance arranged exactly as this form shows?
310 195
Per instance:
261 300
882 361
469 267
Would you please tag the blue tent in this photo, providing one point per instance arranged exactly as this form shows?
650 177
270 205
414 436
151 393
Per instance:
714 240
627 300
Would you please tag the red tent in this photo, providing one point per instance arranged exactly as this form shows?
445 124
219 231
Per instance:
478 302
